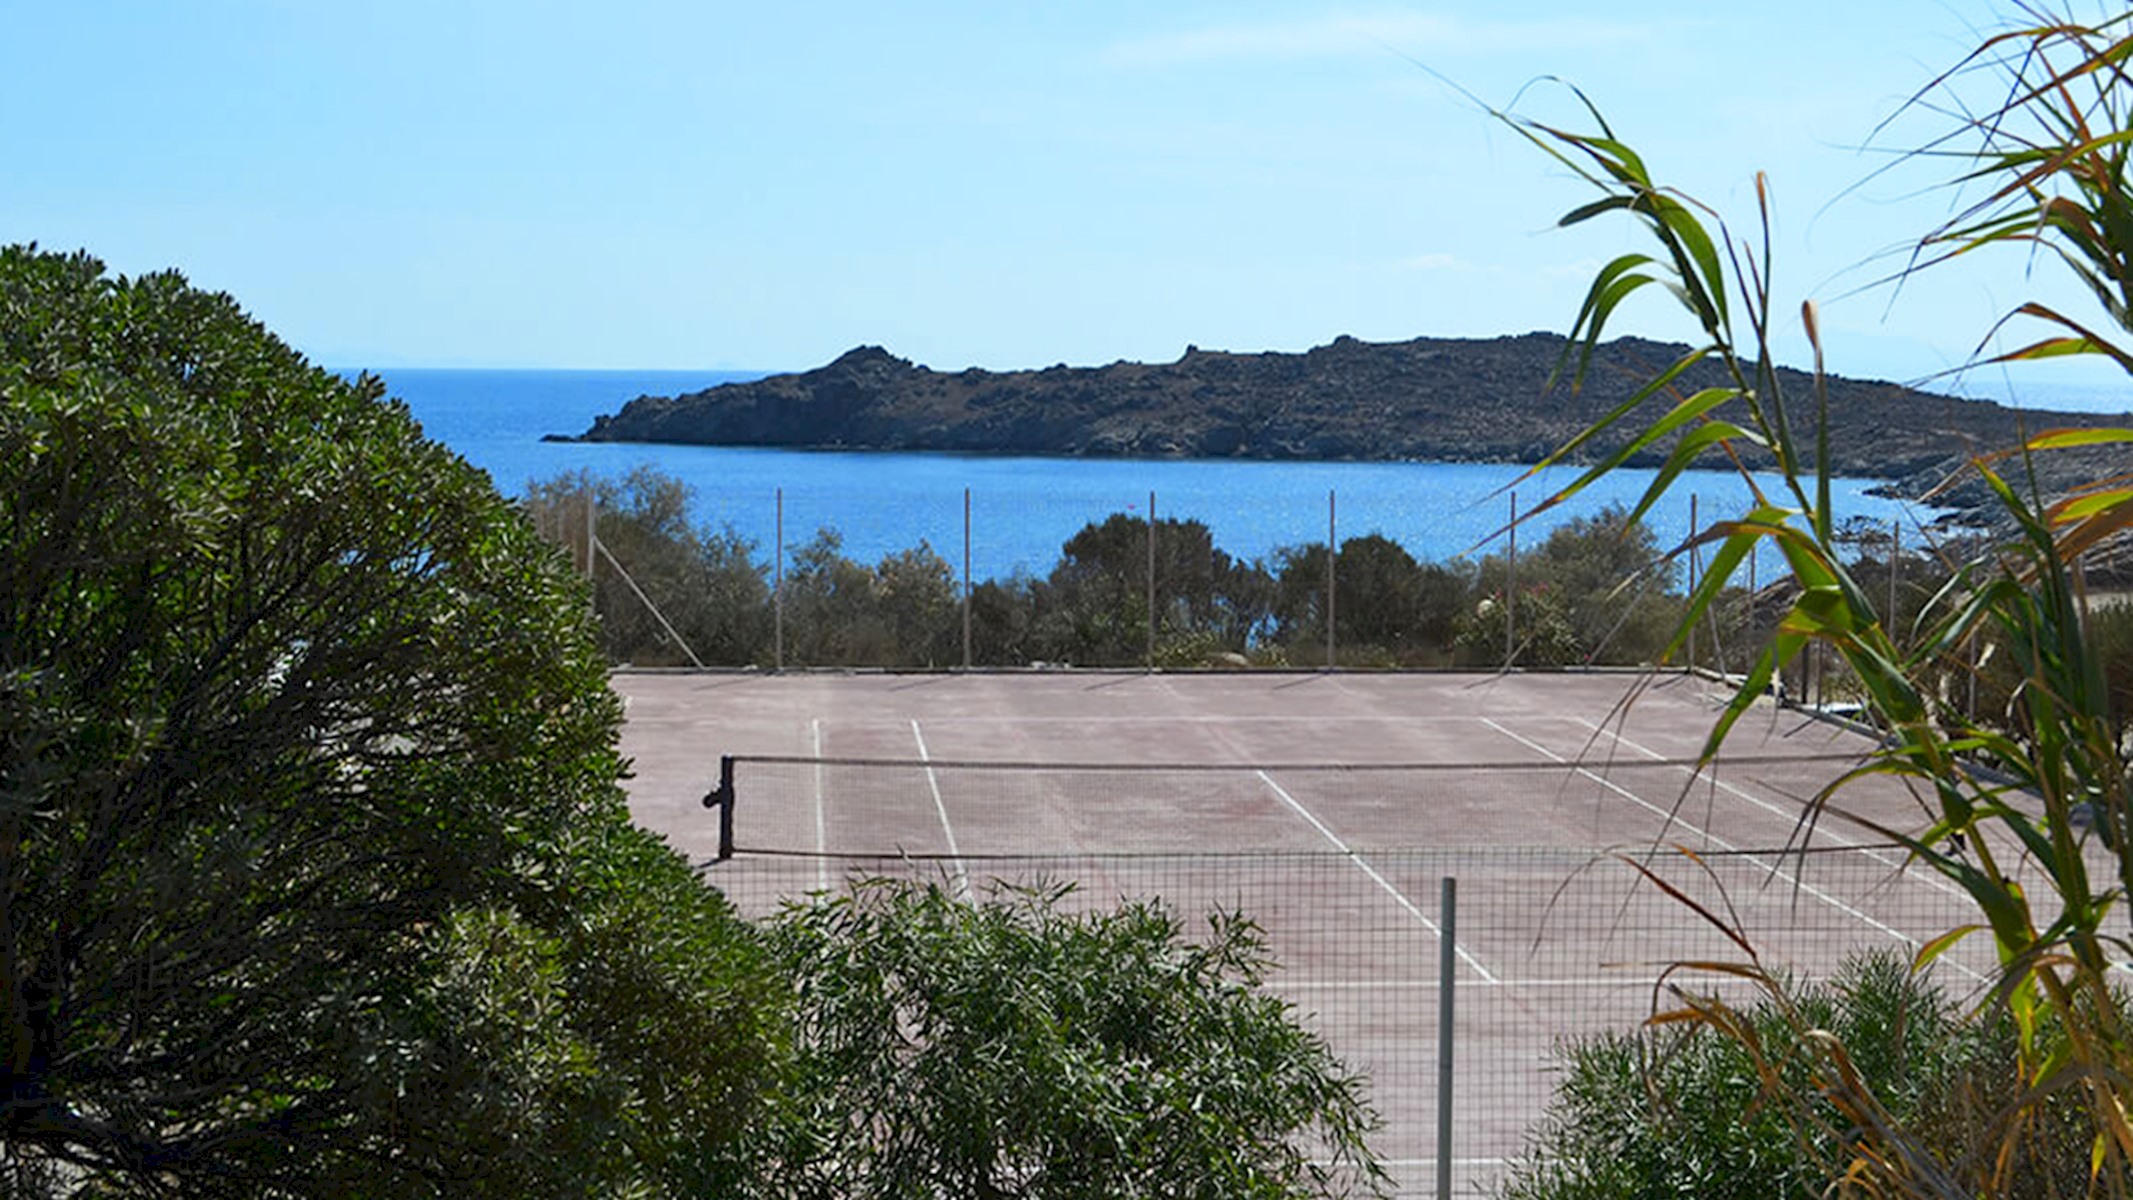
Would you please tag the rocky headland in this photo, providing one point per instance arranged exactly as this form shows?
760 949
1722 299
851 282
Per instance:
1445 399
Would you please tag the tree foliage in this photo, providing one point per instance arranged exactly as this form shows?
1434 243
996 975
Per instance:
1012 1047
315 872
701 584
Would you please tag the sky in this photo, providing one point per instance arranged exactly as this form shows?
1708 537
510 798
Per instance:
641 184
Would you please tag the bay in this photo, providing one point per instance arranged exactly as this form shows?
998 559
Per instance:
1022 509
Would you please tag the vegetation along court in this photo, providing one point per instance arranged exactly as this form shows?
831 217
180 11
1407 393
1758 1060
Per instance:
319 876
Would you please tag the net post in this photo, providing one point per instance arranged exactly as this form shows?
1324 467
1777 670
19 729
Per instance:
721 798
1447 969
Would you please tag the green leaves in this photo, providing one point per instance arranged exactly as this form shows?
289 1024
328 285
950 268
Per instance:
311 810
1017 1047
2010 779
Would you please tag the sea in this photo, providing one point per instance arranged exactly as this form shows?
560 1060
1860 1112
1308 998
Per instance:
1021 509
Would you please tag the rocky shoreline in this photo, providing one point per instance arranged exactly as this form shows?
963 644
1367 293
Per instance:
1436 399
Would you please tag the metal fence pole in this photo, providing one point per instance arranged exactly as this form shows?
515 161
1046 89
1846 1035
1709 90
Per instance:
1151 581
777 592
1332 555
1895 553
1691 646
1447 969
1976 549
592 524
1510 590
966 579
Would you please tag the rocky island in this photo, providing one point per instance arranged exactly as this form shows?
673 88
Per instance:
1442 399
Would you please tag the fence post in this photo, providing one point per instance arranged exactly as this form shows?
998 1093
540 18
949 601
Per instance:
1332 555
592 524
1510 590
1693 548
1447 969
721 798
1151 581
777 593
966 579
1888 623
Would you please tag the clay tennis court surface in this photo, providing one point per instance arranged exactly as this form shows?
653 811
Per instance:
1329 807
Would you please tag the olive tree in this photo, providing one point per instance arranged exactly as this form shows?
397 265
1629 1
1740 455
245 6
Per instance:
699 582
314 871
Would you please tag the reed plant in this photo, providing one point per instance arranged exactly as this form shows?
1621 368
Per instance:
2024 807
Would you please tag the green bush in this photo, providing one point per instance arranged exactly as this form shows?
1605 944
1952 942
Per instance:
1010 1047
1676 1110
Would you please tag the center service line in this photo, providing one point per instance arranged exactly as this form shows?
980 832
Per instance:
962 879
1487 975
1674 819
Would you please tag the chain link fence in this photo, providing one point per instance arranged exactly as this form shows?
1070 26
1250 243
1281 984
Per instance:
1552 942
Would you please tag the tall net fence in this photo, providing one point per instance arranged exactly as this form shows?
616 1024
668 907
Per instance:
1128 590
1552 943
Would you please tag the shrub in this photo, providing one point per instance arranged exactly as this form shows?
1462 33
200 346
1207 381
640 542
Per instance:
1010 1047
1678 1110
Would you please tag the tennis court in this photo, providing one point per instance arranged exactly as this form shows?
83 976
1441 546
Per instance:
1329 807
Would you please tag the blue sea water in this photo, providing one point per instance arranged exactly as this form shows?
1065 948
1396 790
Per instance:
1022 509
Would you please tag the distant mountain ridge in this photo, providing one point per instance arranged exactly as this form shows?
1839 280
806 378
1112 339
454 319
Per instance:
1449 399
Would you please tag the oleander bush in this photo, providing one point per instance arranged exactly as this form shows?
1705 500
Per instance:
995 1041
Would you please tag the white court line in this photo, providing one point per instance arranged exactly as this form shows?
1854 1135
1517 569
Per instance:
1597 983
1673 819
1884 858
822 869
1371 871
962 880
1339 719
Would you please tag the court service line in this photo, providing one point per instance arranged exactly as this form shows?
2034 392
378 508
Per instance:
1893 862
1597 983
822 870
1674 819
1397 895
962 879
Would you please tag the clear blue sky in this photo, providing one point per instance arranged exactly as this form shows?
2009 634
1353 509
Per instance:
763 185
